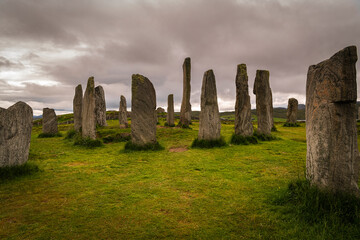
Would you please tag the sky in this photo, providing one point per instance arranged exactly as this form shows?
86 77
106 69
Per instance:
48 47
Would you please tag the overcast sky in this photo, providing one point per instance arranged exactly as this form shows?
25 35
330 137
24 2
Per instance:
47 47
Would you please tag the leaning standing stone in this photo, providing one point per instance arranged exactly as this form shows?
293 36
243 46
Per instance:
88 121
209 119
292 109
170 111
15 134
50 124
123 113
332 160
143 114
100 106
77 106
185 111
264 108
243 125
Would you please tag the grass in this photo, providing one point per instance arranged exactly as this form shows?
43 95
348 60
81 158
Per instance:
264 137
201 143
217 193
129 146
288 124
9 173
243 140
49 135
87 142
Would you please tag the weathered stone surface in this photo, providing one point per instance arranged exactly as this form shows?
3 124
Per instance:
88 121
209 119
243 125
143 114
15 134
100 106
170 110
358 113
77 107
332 159
264 106
50 124
123 113
292 109
185 111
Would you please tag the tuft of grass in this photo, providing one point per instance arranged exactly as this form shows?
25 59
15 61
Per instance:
243 140
184 126
208 143
118 137
167 125
87 142
274 129
49 135
287 124
8 173
130 146
314 205
264 137
70 134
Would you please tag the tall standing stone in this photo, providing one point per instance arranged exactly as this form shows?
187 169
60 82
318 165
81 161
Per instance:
88 121
100 106
292 110
332 159
77 107
50 124
143 114
209 119
170 111
123 113
264 107
185 111
15 134
243 125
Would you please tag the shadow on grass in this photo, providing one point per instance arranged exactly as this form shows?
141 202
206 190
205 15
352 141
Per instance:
208 143
129 147
264 137
243 140
9 173
49 135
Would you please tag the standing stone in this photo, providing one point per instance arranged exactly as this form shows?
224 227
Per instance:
123 113
243 125
143 114
264 109
100 106
185 111
170 111
209 119
358 113
77 106
332 160
15 134
50 124
292 109
88 122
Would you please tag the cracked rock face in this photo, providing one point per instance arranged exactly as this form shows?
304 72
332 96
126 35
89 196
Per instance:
50 124
332 159
15 134
100 106
77 107
292 109
209 119
123 113
185 111
243 125
88 121
170 110
264 106
143 114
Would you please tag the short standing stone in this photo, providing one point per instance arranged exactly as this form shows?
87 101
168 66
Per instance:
292 110
50 124
170 111
185 111
100 106
143 114
123 113
209 119
332 160
15 134
88 122
264 109
243 125
77 106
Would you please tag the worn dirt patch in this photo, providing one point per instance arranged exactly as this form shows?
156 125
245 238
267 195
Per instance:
178 149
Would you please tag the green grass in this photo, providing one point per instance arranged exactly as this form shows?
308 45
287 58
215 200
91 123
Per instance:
130 146
217 193
208 143
13 172
243 140
287 124
49 135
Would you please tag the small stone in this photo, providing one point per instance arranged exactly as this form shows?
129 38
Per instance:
15 134
292 110
88 121
123 113
170 111
100 106
185 111
50 124
77 107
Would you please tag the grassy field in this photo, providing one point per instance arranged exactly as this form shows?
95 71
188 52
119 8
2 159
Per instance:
175 193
